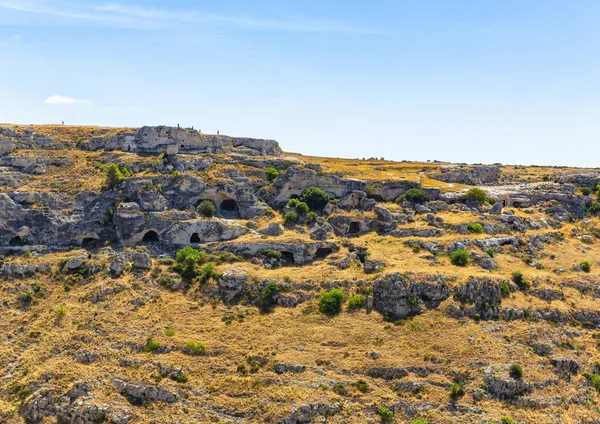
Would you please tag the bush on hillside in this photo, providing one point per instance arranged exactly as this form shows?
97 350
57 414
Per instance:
415 195
272 174
330 302
459 257
476 195
207 208
315 198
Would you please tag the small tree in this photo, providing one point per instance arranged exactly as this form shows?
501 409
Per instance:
207 208
315 198
515 371
268 293
272 174
113 176
459 257
518 279
476 195
330 302
416 195
585 266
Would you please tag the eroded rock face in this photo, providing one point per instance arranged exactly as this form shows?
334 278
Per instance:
308 413
231 285
142 393
471 175
172 140
507 388
399 297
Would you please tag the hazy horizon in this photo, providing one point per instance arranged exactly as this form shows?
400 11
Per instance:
507 82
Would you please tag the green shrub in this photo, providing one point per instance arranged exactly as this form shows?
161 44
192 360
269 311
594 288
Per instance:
302 208
594 379
419 421
415 195
151 345
594 207
459 257
385 413
356 301
181 378
272 174
61 310
270 253
507 420
169 332
28 295
475 227
189 252
290 217
490 252
330 302
195 348
476 195
585 266
292 203
505 288
315 198
518 279
457 390
268 293
515 371
586 191
416 248
207 208
176 174
310 217
206 273
361 385
113 176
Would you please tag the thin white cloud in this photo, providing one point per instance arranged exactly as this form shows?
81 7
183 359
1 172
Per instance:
63 100
143 17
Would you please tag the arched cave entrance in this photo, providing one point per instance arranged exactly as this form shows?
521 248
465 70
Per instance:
195 238
287 258
229 208
353 228
90 243
17 241
323 252
151 237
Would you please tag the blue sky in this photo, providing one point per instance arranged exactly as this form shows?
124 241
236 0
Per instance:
510 81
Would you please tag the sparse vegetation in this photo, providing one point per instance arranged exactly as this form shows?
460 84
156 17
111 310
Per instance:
585 266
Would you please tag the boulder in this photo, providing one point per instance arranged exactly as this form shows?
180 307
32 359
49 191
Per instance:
231 285
141 260
76 262
118 265
273 230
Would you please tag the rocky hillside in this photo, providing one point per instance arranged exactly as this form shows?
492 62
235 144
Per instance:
162 275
